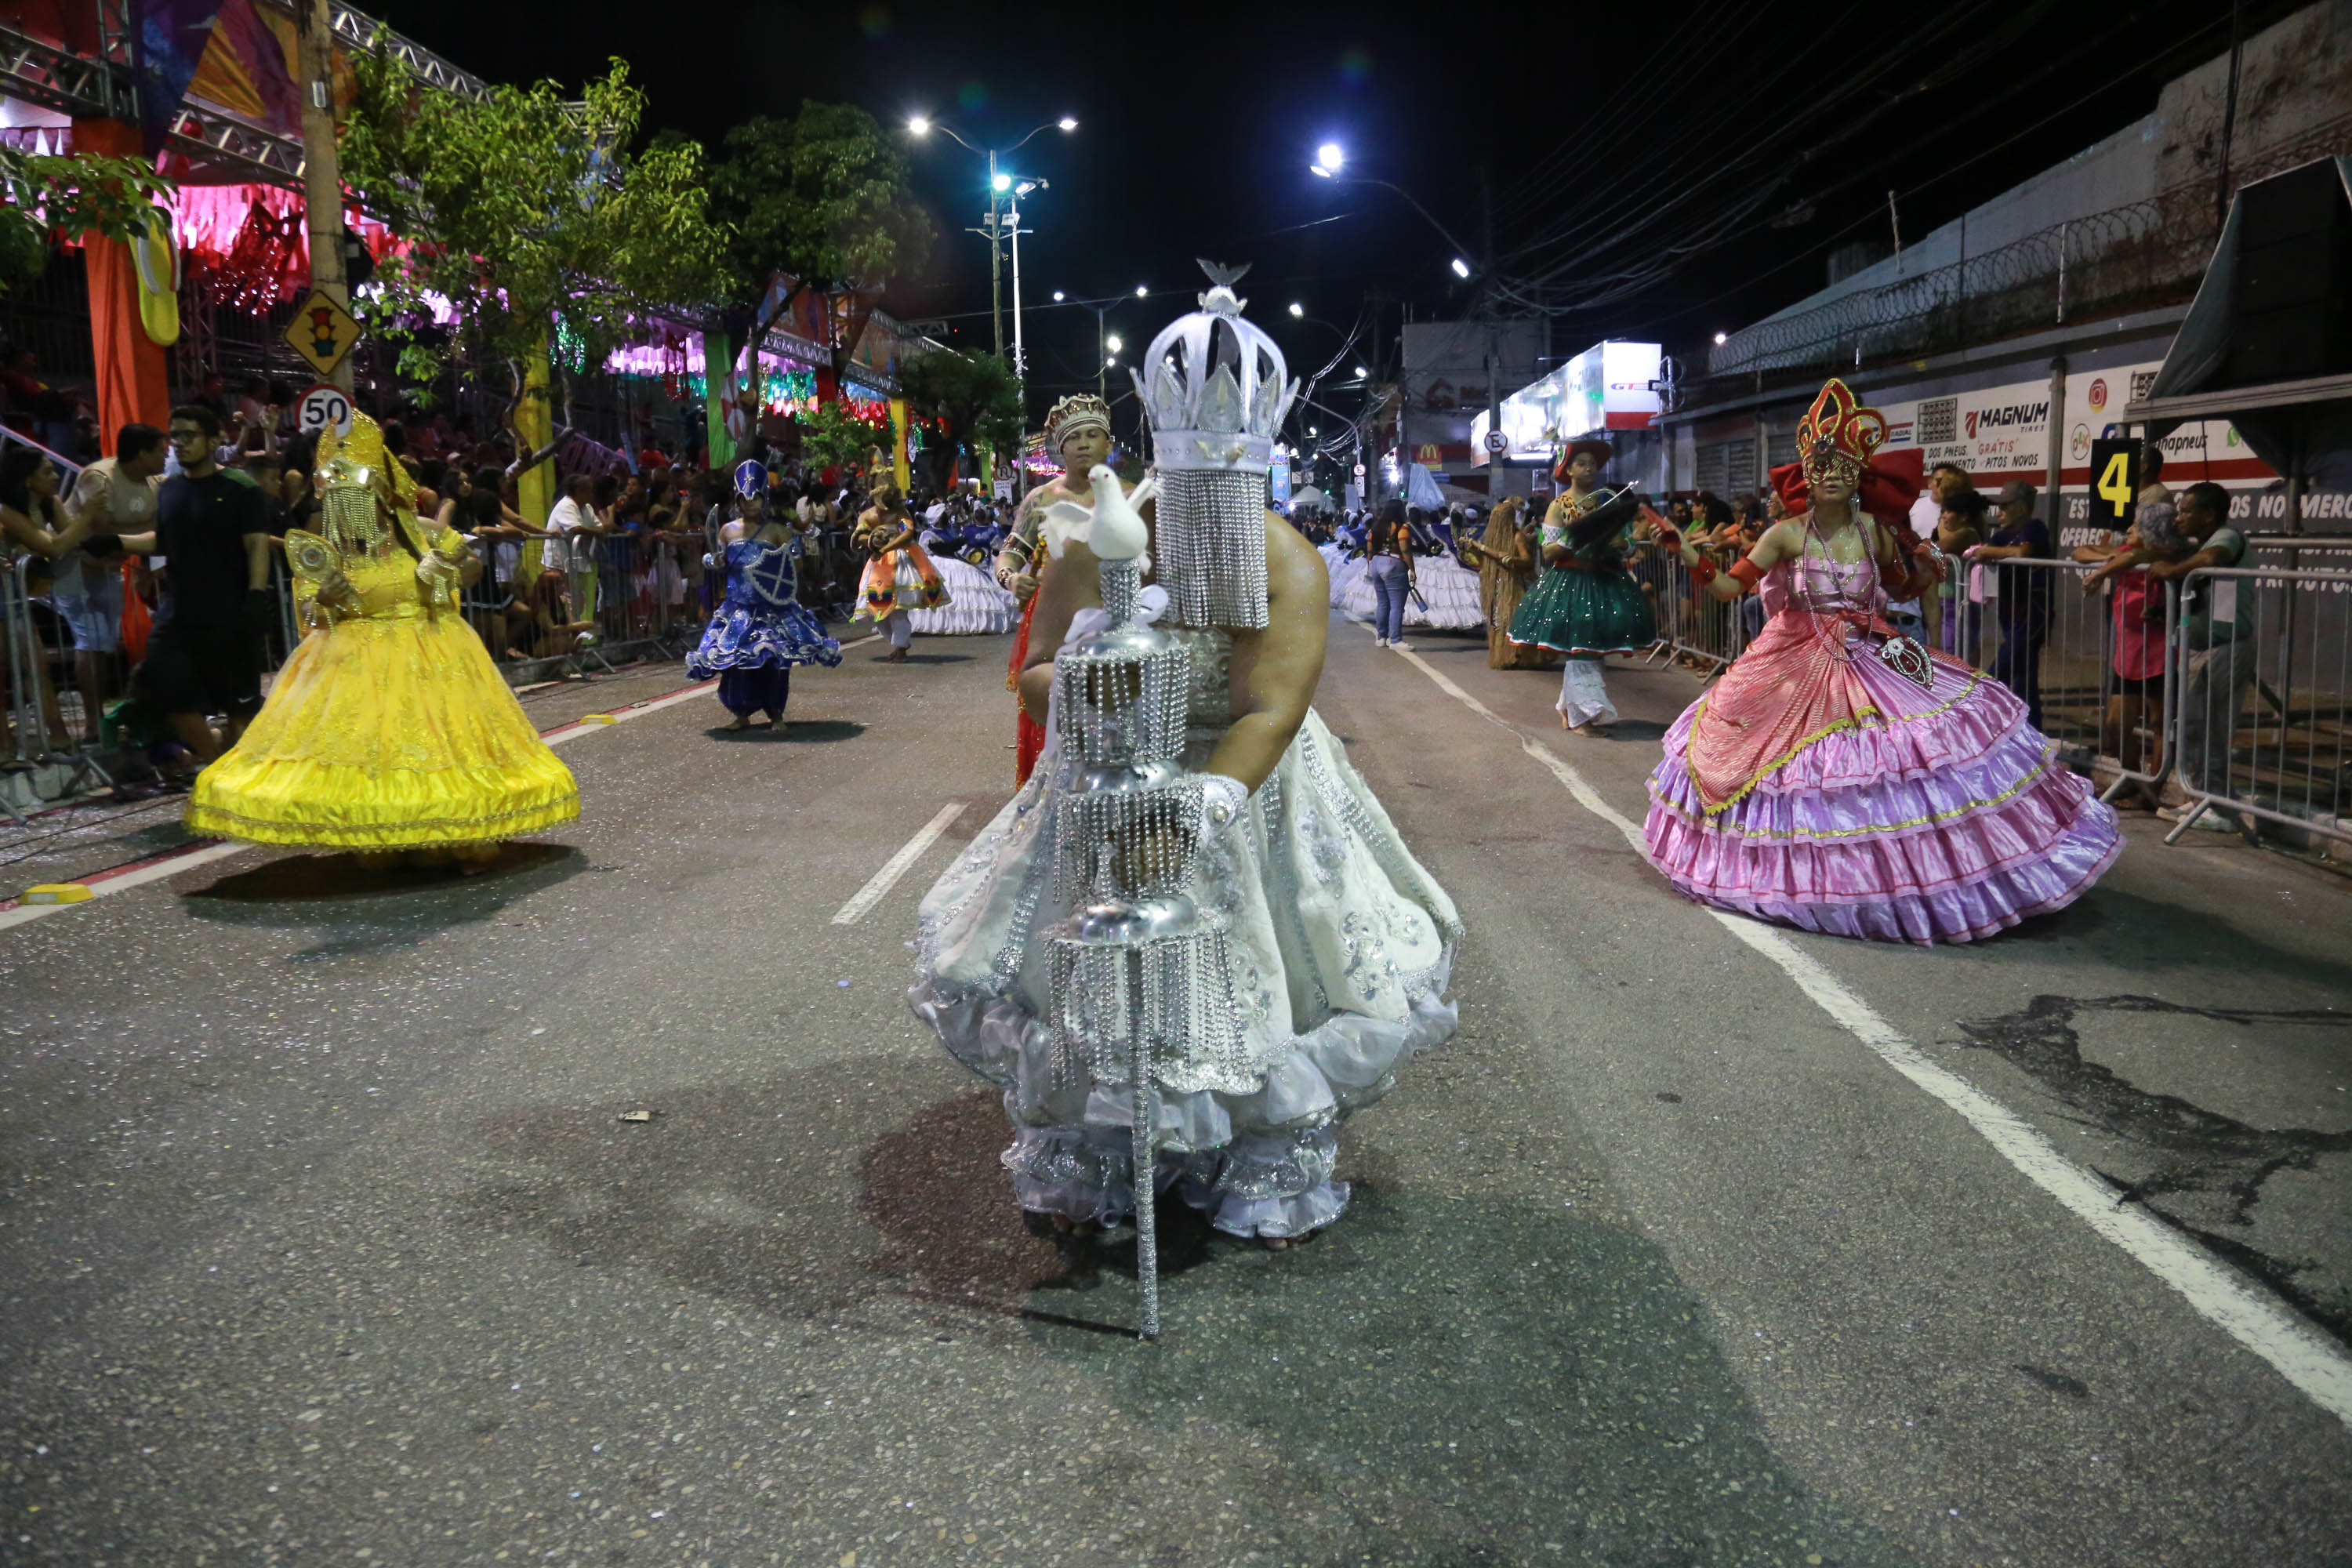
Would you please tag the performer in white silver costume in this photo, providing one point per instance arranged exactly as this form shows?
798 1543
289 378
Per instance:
1294 954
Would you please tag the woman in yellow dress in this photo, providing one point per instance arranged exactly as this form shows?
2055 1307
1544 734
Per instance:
389 729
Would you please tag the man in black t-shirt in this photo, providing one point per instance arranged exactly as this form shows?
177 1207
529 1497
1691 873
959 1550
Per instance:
2024 594
212 532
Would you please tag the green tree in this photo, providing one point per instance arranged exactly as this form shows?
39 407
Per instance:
834 437
976 396
73 198
823 199
527 213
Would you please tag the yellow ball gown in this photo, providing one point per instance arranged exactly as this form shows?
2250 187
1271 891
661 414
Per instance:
388 728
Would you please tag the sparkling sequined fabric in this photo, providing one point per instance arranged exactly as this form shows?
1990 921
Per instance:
1339 946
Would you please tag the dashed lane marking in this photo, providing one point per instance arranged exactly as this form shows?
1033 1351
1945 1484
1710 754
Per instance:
882 881
2300 1353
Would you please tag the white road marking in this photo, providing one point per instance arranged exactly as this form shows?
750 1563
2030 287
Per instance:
106 885
2305 1358
882 881
564 734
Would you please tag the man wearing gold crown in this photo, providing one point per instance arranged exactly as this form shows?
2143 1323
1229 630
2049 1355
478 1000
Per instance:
1078 429
1840 777
389 730
1340 944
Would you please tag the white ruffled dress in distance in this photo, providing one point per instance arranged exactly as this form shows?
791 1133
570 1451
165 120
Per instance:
1449 596
1341 946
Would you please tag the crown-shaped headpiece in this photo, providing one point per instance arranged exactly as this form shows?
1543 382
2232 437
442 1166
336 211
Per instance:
1213 385
1838 434
1078 412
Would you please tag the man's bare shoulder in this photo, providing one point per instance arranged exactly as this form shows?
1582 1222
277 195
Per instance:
1291 563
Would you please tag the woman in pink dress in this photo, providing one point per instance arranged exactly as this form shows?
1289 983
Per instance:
1840 777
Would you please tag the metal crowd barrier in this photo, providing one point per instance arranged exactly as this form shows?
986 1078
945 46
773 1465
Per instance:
51 719
2036 634
1691 624
2261 716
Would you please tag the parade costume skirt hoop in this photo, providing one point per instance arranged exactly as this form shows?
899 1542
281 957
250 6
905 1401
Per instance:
389 732
1817 785
1575 610
1341 946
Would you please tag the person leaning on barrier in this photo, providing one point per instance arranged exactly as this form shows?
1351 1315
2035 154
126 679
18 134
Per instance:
34 526
204 655
2140 632
2024 608
114 495
2218 668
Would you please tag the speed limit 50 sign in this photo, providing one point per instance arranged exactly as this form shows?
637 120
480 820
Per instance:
322 406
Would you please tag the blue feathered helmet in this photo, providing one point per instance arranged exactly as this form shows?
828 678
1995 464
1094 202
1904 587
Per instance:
750 479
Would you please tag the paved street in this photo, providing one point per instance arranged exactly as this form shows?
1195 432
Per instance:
329 1239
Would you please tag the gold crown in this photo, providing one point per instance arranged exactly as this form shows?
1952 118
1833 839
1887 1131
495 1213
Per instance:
1838 433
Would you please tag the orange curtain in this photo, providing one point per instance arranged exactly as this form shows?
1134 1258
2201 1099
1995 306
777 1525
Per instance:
133 386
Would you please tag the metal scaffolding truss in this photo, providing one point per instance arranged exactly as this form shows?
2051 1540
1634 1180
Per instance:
62 80
103 86
356 29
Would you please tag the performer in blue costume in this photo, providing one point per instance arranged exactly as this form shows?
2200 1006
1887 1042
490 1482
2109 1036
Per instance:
762 629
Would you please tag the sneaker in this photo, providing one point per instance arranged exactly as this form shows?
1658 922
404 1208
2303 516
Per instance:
1402 646
1380 642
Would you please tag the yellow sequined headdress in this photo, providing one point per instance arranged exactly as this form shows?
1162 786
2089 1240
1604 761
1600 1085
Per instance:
358 474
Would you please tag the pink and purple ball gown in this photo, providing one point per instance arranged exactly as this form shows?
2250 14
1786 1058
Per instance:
1818 786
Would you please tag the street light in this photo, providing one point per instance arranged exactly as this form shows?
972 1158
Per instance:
999 186
1329 158
1057 296
1141 292
1298 309
1327 166
1108 345
1721 339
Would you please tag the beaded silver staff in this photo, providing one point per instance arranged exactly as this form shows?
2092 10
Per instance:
1137 971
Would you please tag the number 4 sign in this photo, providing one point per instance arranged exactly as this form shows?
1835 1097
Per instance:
2114 483
322 406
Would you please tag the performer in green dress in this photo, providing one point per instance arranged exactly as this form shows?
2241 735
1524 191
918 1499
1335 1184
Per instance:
1587 604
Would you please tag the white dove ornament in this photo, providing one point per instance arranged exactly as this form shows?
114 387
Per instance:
1117 533
1111 528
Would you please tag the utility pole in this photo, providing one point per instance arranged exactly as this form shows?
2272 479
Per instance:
995 259
1020 351
322 188
1494 484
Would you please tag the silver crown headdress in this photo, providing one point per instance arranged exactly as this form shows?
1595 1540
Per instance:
1215 390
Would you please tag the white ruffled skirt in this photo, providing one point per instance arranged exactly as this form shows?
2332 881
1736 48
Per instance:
1341 947
976 607
1449 596
1344 572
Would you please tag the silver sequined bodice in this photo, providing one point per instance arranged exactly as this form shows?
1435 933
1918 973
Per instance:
1210 703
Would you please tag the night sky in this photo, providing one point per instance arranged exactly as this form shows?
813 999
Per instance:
1625 143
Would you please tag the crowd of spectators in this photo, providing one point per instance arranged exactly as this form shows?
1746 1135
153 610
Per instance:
623 554
620 557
